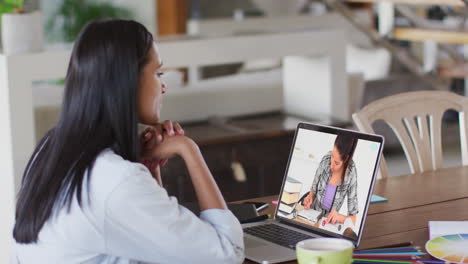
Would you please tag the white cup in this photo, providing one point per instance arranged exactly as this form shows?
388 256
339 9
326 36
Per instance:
324 251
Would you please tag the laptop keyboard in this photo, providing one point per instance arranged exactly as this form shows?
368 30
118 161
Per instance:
277 234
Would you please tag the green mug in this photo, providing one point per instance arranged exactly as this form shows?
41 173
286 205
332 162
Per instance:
325 251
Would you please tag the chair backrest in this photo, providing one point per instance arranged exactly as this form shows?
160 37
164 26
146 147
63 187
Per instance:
416 119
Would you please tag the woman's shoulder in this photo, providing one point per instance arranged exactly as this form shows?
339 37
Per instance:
352 169
327 156
352 165
109 161
110 170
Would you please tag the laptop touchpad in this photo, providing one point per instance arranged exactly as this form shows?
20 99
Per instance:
253 243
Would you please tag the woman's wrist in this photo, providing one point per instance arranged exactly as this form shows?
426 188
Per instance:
345 217
188 148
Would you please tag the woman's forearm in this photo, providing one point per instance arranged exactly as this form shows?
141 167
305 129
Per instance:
207 191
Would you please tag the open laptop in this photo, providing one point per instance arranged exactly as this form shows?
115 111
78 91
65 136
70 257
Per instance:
310 169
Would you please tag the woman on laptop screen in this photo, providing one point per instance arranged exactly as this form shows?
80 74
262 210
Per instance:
335 179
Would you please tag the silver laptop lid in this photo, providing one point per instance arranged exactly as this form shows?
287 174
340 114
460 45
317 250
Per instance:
328 180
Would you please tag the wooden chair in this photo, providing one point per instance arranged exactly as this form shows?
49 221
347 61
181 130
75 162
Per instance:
416 119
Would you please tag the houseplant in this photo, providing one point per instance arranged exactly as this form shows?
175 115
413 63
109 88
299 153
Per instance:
21 31
71 16
11 6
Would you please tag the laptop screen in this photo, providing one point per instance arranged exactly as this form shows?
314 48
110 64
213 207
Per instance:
329 180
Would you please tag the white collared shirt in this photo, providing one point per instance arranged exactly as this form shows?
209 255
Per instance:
129 218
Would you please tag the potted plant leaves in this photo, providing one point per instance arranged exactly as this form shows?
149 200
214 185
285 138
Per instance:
71 16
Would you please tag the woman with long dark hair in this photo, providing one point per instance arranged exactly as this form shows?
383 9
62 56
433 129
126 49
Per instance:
86 198
335 179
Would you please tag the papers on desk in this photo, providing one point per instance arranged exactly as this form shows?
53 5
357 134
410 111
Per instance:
442 228
285 215
310 215
337 228
377 199
287 209
334 228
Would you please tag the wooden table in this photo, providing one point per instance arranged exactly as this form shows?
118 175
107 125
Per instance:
414 200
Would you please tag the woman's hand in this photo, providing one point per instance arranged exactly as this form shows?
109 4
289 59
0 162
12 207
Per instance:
154 135
208 194
173 146
150 138
308 201
335 217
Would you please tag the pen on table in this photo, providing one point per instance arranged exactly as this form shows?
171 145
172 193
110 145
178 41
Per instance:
402 251
365 261
419 261
384 258
396 253
369 261
399 262
256 219
388 249
405 244
406 259
391 258
264 206
413 259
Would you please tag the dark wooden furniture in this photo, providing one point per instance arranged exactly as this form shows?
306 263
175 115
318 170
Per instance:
260 143
414 200
172 17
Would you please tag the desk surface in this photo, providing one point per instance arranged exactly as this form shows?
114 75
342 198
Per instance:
414 200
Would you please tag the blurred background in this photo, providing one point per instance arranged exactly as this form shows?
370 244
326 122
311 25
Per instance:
242 73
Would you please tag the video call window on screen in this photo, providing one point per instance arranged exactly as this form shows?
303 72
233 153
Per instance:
328 181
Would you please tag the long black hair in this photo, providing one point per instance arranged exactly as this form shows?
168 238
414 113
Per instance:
345 143
99 111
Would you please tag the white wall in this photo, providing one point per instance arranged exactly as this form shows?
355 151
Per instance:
365 157
310 147
7 184
305 87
